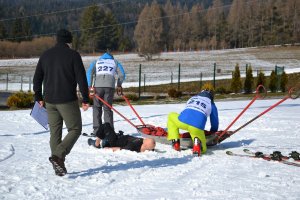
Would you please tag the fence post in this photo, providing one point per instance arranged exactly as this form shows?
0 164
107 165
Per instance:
178 86
215 65
29 83
171 78
144 82
200 80
7 82
276 74
140 76
22 83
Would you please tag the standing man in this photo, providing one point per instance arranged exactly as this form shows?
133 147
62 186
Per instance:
193 119
101 79
59 70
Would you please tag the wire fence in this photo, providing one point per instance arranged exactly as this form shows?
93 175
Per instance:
144 75
15 82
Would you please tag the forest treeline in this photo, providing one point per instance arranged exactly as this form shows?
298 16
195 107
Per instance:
148 27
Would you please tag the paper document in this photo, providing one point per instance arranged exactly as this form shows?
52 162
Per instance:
40 115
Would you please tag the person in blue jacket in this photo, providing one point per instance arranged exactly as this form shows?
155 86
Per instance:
193 119
101 77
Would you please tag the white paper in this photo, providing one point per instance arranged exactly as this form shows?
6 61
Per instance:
40 115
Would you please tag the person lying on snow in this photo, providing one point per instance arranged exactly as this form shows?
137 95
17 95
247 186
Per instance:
107 138
193 119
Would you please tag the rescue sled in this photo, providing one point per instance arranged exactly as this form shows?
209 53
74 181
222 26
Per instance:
212 138
160 135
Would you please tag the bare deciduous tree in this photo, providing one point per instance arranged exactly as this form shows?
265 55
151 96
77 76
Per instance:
149 31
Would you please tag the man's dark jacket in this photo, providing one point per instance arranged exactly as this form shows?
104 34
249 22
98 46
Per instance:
60 69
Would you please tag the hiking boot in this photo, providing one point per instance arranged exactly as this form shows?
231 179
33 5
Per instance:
103 143
176 144
58 165
91 142
197 147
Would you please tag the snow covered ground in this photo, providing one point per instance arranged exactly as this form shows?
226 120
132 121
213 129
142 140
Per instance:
164 69
25 172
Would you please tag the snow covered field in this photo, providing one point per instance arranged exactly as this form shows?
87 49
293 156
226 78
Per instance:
25 172
165 67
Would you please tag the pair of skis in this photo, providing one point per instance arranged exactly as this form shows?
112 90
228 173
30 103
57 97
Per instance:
293 158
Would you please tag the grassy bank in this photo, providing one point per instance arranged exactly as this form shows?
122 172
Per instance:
159 93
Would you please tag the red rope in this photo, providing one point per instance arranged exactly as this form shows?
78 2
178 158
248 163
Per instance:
127 101
115 110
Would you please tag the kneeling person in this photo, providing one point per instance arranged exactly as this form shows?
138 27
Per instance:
193 119
107 138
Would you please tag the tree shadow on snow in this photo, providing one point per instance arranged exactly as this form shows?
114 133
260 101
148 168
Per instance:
162 162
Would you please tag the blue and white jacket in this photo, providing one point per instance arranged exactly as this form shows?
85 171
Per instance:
102 72
197 109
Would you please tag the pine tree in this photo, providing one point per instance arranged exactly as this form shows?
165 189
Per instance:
283 81
184 34
17 30
236 83
273 82
261 79
3 33
248 84
112 33
170 26
198 26
91 24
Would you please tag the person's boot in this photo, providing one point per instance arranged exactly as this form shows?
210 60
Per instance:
176 144
92 142
103 143
197 147
58 165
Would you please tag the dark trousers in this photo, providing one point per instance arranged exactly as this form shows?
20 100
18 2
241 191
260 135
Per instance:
107 94
71 115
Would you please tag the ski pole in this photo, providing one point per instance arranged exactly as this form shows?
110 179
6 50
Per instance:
102 100
270 108
252 101
127 101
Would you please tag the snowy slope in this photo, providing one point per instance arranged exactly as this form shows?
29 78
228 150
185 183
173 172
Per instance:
25 172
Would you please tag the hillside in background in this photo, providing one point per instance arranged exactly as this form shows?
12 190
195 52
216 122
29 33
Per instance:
49 16
147 27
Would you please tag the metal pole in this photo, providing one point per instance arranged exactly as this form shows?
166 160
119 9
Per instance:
200 80
21 82
178 87
144 82
7 82
140 77
215 65
30 83
171 78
